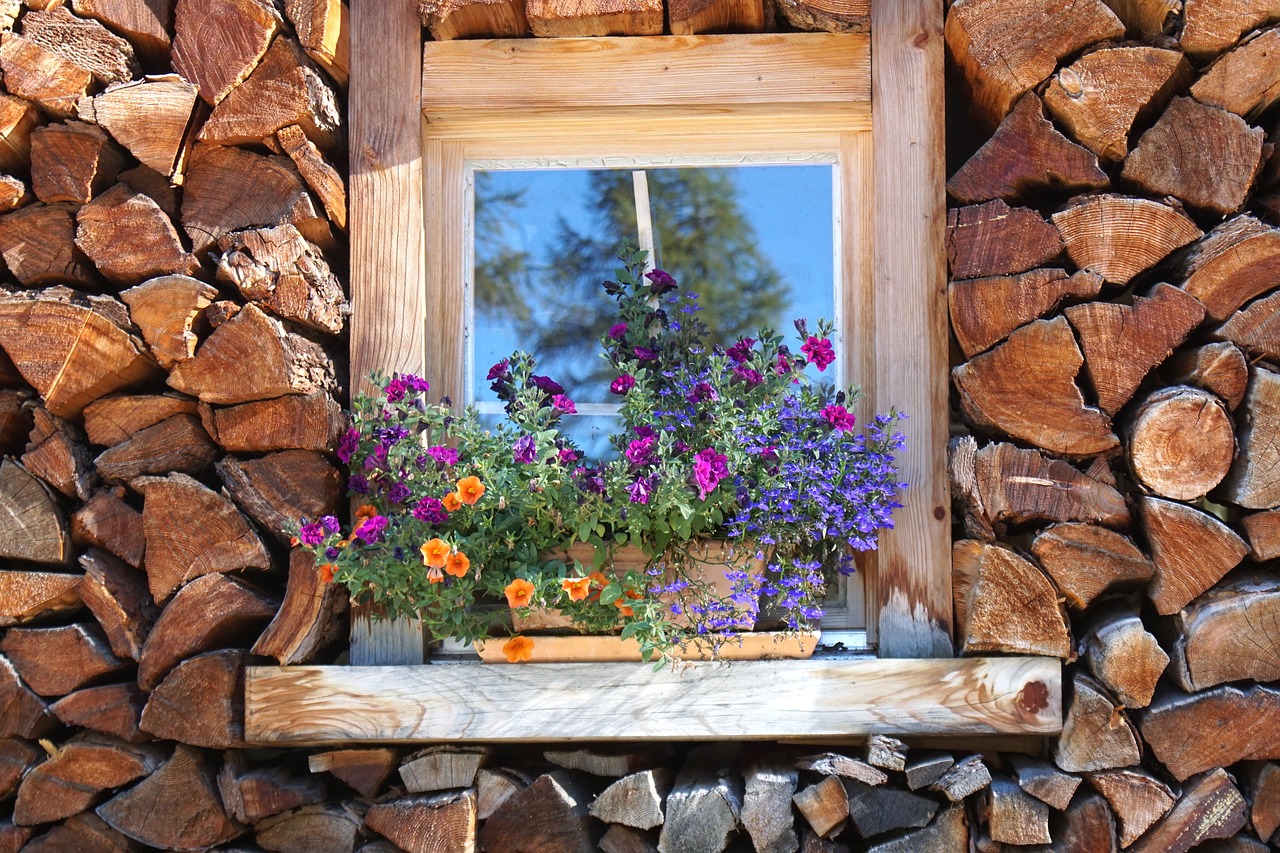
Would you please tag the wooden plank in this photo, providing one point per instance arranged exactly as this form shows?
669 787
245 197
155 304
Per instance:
655 129
310 705
910 305
671 71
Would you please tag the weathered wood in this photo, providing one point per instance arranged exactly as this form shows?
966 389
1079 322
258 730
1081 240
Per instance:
833 16
1044 781
112 709
1015 817
926 767
705 803
117 596
1138 799
1085 560
875 810
1233 264
86 44
439 768
312 616
38 245
324 31
56 661
966 777
637 800
985 310
284 89
613 763
217 45
624 839
168 311
1243 80
549 815
1096 734
443 823
323 178
1147 19
130 239
175 808
495 787
1121 653
253 794
1262 782
995 239
177 551
18 119
72 162
1191 551
201 702
1005 604
1002 49
1210 807
1214 175
1119 236
145 23
949 831
691 17
34 526
213 611
450 19
36 596
766 806
1242 722
285 362
1262 530
331 826
1248 484
1220 368
825 805
365 770
42 76
13 194
177 444
15 420
107 522
834 764
17 756
14 838
25 714
349 704
113 420
154 185
886 752
276 269
150 117
1025 388
1256 328
58 453
1026 159
79 774
1231 633
1181 443
306 422
1211 27
1103 94
568 18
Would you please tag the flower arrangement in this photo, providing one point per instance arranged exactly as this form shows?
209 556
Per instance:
737 442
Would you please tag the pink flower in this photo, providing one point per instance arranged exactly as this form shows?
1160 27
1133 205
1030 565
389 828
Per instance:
709 468
819 351
622 384
839 417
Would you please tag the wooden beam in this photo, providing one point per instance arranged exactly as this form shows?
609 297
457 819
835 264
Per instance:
914 561
311 705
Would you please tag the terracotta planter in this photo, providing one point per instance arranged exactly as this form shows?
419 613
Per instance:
750 645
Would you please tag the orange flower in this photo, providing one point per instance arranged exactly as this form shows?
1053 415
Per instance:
451 502
623 609
576 587
517 649
435 553
326 572
470 490
519 593
365 511
599 579
434 575
457 564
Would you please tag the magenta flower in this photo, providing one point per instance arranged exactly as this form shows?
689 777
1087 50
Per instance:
709 468
431 510
525 450
839 417
563 404
622 384
350 442
741 351
547 384
617 331
370 530
660 282
311 534
640 451
444 456
499 370
702 392
645 354
819 351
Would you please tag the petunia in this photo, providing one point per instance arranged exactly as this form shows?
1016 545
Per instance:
434 575
660 282
618 331
431 511
645 353
311 534
451 502
622 384
435 553
547 384
370 530
578 588
518 649
470 490
456 564
525 450
499 370
350 442
819 351
839 417
444 456
563 404
519 593
741 351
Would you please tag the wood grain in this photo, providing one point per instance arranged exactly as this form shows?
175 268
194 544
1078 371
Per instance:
605 702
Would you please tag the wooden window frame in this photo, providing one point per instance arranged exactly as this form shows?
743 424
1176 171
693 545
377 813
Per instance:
708 93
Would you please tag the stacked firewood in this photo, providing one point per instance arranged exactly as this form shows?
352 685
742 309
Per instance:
1115 259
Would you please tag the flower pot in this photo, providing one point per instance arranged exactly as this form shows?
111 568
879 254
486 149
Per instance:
580 648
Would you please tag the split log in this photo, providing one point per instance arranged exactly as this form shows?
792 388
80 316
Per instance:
985 310
86 44
175 808
16 421
1138 799
1243 80
58 453
177 444
1237 261
1043 781
130 239
79 774
1210 807
312 616
1124 656
1214 174
221 311
18 119
1147 19
38 245
42 76
1103 94
1191 551
70 352
1211 26
306 422
1027 158
107 522
211 612
1096 734
365 770
1219 368
250 795
568 18
1177 728
73 162
84 831
613 763
1122 343
213 205
324 32
495 787
949 831
150 117
178 550
832 16
284 363
1119 236
637 800
1085 560
825 806
333 826
886 752
216 45
14 838
925 767
692 17
438 768
1256 328
1088 824
453 19
624 839
878 809
766 806
1001 49
323 179
995 239
1015 817
276 269
1025 388
284 89
1251 483
57 661
145 23
550 814
440 823
114 420
968 776
24 713
1262 530
834 764
1181 443
1263 784
169 311
1005 604
13 194
1231 633
201 702
112 709
17 756
154 186
27 597
35 529
704 806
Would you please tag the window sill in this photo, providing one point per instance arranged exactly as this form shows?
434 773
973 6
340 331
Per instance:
825 697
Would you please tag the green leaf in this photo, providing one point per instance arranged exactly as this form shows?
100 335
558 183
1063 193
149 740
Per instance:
611 593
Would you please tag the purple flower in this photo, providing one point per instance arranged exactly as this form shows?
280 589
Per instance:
741 351
660 282
644 431
618 331
499 370
431 511
525 450
444 456
769 453
701 392
748 375
399 493
592 479
568 456
330 523
311 534
358 484
622 384
681 447
783 366
547 384
641 489
645 354
376 459
417 383
839 417
564 404
640 451
709 468
396 389
819 351
347 447
370 530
